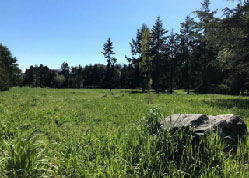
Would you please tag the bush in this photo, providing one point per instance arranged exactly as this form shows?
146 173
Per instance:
59 81
222 89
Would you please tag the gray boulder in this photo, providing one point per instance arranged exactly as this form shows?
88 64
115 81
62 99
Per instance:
228 126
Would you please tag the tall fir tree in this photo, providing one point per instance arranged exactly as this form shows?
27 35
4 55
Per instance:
187 43
206 70
172 58
108 52
136 51
146 60
158 52
65 70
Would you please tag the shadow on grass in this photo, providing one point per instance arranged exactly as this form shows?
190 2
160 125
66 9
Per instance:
229 103
176 92
133 92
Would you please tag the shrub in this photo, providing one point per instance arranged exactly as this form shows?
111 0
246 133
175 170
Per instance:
59 81
222 89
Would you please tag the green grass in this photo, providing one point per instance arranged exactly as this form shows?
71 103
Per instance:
95 133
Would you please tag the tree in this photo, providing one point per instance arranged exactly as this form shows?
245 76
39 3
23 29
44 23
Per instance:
108 52
186 45
159 53
9 71
136 51
222 49
233 47
65 70
146 62
172 58
206 71
38 76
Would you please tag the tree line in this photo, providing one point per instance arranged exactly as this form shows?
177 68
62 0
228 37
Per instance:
90 76
208 55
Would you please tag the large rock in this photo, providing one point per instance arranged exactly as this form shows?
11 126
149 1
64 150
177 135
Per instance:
228 126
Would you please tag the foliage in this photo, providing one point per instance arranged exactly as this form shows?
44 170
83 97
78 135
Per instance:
59 81
9 71
108 52
145 66
159 52
222 89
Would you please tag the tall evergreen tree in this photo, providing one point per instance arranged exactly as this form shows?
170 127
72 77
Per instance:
108 52
172 58
146 61
159 52
136 51
65 70
204 62
233 37
187 43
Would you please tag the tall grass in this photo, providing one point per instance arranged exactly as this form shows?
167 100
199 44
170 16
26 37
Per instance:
80 133
24 157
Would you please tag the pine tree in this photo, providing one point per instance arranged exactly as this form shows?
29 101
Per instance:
108 52
136 51
172 58
146 60
205 68
65 70
187 42
158 51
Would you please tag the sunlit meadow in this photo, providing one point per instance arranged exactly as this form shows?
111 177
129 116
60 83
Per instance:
97 133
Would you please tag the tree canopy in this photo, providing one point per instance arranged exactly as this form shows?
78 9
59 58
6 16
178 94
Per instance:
9 71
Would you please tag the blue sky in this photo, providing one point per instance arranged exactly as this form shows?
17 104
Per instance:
50 32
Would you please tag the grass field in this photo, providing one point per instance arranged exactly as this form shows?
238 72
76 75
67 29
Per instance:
95 133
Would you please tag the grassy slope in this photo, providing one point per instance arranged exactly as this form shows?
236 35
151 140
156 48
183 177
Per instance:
86 132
